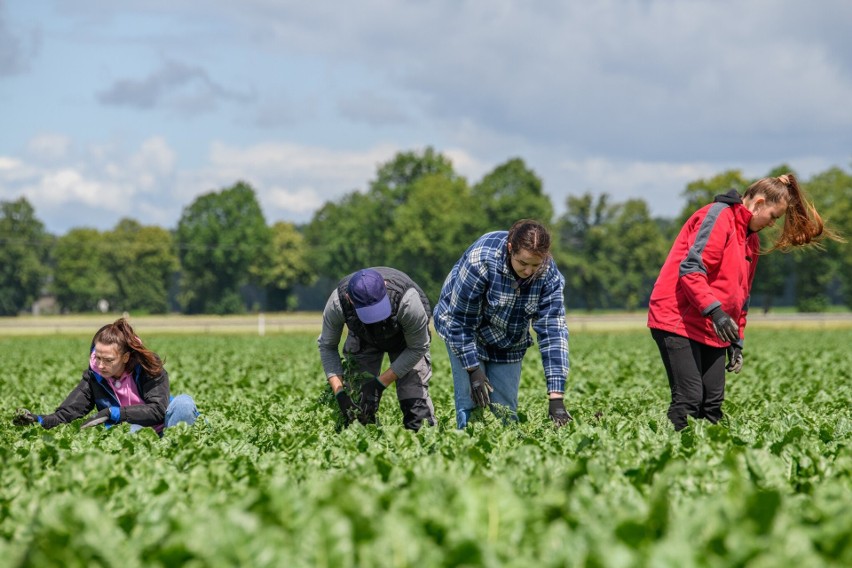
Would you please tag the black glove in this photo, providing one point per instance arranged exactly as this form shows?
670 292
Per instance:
558 413
726 328
24 417
101 417
480 387
371 396
735 358
347 407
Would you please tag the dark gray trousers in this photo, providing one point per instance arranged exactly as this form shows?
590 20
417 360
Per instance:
412 389
696 375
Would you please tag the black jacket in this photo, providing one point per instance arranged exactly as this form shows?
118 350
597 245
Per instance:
94 392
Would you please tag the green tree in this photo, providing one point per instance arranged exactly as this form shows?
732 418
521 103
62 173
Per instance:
341 235
632 250
580 236
223 242
774 270
610 253
23 256
289 265
142 262
817 268
81 277
359 230
701 192
508 193
432 229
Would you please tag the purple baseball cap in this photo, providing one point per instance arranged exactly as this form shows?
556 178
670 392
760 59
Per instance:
369 295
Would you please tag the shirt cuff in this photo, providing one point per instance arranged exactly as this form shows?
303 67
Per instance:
556 384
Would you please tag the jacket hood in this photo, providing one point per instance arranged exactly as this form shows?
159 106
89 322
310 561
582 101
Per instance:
731 198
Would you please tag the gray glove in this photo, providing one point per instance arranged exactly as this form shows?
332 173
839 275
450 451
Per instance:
101 417
24 417
735 359
726 328
480 387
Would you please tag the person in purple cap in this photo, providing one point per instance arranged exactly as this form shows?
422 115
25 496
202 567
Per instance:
385 311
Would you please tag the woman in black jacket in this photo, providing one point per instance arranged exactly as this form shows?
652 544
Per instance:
125 382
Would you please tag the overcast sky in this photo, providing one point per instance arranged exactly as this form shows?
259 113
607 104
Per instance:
134 108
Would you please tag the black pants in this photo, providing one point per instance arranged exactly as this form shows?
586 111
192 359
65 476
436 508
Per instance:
696 377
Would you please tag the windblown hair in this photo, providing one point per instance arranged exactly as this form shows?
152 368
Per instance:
120 333
802 224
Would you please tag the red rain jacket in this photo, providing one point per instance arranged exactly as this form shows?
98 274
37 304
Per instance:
711 263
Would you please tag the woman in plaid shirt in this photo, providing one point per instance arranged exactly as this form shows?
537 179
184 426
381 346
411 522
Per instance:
504 282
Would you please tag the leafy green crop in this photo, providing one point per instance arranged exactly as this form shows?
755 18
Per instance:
267 479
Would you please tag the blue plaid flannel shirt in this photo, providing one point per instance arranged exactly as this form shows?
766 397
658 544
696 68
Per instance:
483 314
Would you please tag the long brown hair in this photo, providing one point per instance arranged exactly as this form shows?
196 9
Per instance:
802 223
120 333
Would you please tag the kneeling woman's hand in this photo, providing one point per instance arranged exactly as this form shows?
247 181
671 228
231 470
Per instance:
24 417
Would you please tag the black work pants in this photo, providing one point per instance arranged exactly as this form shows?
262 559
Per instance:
696 375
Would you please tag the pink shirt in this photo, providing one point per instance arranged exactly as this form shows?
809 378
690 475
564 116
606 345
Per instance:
124 388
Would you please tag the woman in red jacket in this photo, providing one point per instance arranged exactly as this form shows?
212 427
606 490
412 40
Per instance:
697 311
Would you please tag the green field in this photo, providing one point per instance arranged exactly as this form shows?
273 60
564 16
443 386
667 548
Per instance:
268 480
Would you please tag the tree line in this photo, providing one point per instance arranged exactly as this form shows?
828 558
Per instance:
417 215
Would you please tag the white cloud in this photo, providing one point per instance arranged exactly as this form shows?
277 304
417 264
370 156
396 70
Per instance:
9 164
49 147
154 158
303 200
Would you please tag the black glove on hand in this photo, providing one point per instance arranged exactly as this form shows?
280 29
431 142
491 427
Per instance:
24 417
371 396
347 407
558 413
101 417
480 387
726 328
735 359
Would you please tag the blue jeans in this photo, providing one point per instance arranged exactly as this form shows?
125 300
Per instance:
504 377
181 409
